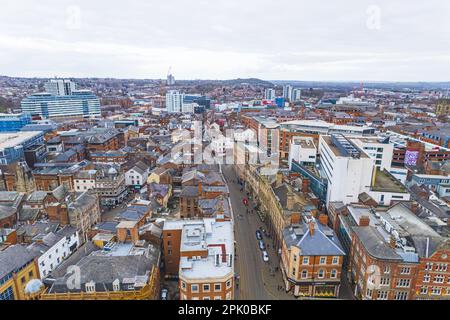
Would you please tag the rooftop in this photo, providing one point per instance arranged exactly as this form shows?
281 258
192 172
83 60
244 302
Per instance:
385 182
10 140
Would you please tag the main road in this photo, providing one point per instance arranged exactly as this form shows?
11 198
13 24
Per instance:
256 282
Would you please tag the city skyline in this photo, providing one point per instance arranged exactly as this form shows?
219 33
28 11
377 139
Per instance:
361 41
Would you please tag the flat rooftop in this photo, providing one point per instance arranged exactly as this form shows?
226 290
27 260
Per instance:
337 152
215 237
386 182
10 140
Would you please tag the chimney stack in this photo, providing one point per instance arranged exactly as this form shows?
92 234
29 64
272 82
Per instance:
323 219
311 228
305 185
393 242
364 221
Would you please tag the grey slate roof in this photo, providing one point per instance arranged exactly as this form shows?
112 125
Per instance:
104 270
374 243
14 257
323 242
7 211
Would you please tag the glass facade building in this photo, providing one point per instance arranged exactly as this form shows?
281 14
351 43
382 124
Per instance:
13 122
81 103
12 145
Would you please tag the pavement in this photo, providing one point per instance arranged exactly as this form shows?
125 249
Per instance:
256 281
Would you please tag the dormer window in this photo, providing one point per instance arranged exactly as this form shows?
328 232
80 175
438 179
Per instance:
116 285
90 286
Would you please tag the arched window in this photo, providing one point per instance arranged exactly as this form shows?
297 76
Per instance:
321 274
304 274
333 274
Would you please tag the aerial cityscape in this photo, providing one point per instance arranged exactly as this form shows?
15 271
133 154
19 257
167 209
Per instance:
184 188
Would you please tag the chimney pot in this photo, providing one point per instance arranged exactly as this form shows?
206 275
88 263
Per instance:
311 228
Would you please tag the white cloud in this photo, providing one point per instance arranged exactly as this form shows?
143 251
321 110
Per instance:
286 39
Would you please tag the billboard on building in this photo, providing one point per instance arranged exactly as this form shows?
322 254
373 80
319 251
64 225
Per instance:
411 157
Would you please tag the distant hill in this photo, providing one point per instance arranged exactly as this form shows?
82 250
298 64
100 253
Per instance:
346 85
5 104
232 82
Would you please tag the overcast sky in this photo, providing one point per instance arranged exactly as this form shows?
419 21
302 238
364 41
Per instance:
381 40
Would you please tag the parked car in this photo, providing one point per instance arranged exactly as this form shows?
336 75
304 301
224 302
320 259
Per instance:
259 235
265 256
262 246
164 294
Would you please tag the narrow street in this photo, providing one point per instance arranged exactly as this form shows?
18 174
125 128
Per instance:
256 281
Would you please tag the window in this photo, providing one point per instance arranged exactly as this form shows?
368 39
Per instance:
369 293
321 274
194 287
295 258
403 283
206 288
304 274
294 272
436 291
335 260
385 281
116 285
206 298
382 295
218 298
7 294
22 280
424 290
183 285
333 274
323 260
90 287
426 278
439 278
305 260
401 295
387 269
217 287
405 270
228 285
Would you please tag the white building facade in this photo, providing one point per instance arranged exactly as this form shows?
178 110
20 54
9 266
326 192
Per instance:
302 150
55 249
348 169
174 101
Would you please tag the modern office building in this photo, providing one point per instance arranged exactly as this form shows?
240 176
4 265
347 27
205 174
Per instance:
378 149
269 94
296 95
303 151
347 168
81 103
60 87
174 101
12 145
13 122
170 80
287 92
